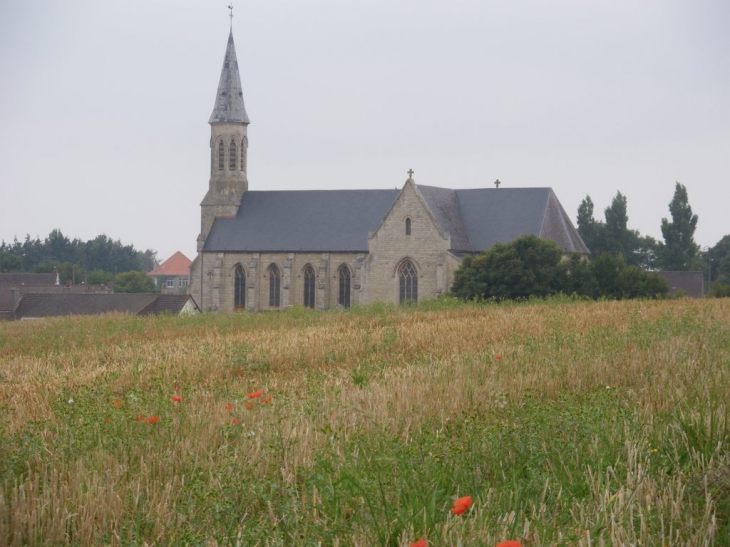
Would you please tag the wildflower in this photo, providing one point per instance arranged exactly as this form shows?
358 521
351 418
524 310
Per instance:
497 356
108 419
235 421
256 394
248 405
461 505
631 346
177 399
419 543
228 407
266 400
117 404
509 543
152 420
139 419
71 401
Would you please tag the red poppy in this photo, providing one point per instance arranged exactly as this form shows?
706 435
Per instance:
256 394
631 346
139 419
509 543
248 405
152 419
461 505
177 399
266 400
117 404
108 419
235 421
229 407
497 356
419 543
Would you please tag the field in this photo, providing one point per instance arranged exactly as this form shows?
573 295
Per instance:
568 423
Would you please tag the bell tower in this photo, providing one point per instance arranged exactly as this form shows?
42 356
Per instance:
228 147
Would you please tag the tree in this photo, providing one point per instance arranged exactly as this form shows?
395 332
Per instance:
10 263
719 261
589 229
679 252
614 236
133 282
528 266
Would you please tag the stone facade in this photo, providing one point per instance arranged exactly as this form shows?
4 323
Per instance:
266 250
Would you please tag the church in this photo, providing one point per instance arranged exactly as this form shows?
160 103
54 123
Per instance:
266 250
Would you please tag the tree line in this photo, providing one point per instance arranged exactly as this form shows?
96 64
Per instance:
622 264
95 262
531 266
678 250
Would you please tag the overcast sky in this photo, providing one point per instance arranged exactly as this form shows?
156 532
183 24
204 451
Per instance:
104 105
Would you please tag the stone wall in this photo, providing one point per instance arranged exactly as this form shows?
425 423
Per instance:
219 277
426 247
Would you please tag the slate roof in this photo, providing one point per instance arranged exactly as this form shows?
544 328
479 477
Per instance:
177 264
53 305
6 298
168 303
229 107
691 283
340 220
302 221
500 215
18 278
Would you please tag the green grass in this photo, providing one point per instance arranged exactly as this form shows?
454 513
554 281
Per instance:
599 424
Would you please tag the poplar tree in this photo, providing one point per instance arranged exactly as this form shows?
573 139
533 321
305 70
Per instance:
679 252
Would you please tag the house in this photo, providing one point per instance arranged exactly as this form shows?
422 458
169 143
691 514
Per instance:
14 286
173 275
38 306
692 284
264 250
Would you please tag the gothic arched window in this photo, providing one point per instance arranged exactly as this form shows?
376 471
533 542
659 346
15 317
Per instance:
221 156
408 277
274 287
408 226
232 156
343 297
309 284
239 293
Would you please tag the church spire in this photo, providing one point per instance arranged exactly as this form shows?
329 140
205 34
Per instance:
229 107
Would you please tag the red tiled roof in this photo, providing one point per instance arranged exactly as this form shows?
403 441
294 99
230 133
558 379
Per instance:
177 264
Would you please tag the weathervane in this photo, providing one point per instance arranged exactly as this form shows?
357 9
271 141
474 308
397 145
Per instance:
230 7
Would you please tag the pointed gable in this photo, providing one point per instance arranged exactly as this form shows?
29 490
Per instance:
229 107
177 264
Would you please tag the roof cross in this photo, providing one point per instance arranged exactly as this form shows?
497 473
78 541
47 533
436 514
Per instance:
230 7
497 183
410 173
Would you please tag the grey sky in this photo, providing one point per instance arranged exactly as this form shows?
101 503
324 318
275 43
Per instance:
104 105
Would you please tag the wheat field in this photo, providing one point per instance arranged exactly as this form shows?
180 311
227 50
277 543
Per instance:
568 423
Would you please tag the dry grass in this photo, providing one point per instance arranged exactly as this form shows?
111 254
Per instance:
351 391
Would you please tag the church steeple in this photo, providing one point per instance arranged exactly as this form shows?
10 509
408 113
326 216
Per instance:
229 107
228 147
